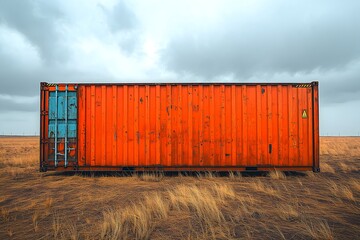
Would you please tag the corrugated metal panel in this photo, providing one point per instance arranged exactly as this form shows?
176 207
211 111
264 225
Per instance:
190 126
195 125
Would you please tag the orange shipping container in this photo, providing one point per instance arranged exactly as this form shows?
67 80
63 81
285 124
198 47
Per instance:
173 127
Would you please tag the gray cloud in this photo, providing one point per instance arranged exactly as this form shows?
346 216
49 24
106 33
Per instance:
38 21
283 37
282 42
123 22
120 17
12 103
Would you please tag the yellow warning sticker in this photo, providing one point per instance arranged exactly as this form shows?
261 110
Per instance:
304 114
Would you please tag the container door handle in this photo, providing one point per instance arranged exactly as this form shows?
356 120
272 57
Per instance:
270 148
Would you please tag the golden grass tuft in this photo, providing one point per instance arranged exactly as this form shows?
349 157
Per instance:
347 193
260 186
287 211
70 232
355 184
327 168
235 175
138 220
5 214
48 202
150 177
135 221
223 192
345 167
160 207
35 218
340 146
340 191
276 174
198 200
311 175
10 232
56 225
209 175
318 230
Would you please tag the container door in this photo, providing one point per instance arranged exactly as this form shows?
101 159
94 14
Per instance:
62 127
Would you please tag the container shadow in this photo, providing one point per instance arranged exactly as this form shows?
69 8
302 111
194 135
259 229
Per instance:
199 174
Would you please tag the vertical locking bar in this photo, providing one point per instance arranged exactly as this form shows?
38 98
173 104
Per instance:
56 124
66 124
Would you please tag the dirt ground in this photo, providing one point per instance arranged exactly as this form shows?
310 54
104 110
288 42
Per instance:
36 205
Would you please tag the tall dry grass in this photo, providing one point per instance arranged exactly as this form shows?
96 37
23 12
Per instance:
161 207
340 191
276 174
5 214
288 211
149 176
340 146
355 184
259 185
56 225
318 230
138 220
35 219
325 167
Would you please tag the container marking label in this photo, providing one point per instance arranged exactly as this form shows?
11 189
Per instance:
304 114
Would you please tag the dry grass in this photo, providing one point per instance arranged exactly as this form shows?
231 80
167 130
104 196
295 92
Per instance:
276 174
135 221
340 191
70 232
35 218
138 220
154 206
235 175
56 225
347 193
5 214
150 176
318 230
355 184
10 232
288 212
340 146
261 187
325 167
48 202
347 167
312 175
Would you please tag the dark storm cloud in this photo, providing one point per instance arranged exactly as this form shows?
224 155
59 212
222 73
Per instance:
38 21
282 37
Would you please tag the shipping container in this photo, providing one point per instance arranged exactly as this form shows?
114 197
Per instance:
179 127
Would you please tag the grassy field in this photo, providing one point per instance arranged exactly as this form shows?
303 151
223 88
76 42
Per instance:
36 205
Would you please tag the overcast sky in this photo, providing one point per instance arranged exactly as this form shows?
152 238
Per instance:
185 40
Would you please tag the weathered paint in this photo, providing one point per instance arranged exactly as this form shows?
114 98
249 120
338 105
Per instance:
71 113
191 127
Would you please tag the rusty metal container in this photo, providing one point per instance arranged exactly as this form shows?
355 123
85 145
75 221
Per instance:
173 127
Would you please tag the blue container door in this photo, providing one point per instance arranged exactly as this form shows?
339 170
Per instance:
63 128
